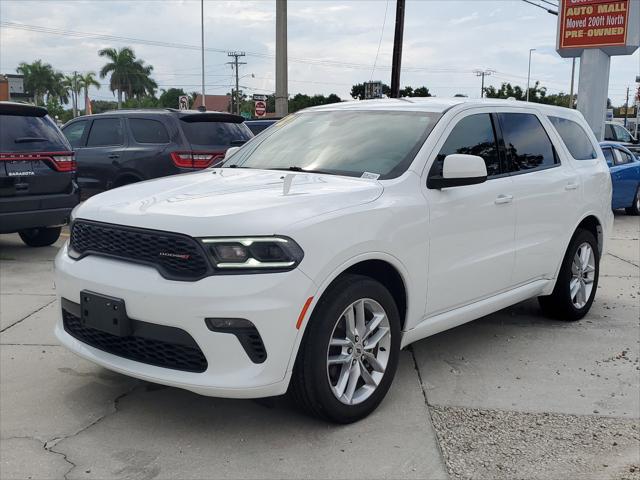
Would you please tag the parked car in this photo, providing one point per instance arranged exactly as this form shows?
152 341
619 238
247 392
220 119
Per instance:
126 146
257 126
614 132
333 240
37 175
625 176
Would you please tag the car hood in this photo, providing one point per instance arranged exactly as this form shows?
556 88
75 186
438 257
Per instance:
228 201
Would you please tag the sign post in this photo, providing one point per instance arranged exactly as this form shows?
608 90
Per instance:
594 30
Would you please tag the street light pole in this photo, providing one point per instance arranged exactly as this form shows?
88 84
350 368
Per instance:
573 76
531 50
202 48
282 82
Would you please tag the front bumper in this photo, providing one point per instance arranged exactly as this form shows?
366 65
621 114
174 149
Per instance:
272 302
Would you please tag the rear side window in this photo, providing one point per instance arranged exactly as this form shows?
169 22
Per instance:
215 133
473 135
608 132
148 131
608 155
105 132
526 141
623 157
30 134
575 138
74 132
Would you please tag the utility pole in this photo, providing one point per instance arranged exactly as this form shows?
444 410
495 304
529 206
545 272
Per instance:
397 50
282 81
482 73
235 64
626 108
204 106
573 76
531 50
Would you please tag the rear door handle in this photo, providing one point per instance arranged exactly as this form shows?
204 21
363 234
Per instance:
571 186
501 199
114 155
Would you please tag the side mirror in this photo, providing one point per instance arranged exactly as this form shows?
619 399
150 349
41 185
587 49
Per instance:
459 170
230 151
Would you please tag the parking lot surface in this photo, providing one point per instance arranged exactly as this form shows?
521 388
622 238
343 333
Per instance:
512 395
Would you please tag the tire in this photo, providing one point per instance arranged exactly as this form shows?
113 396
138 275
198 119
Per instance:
634 209
315 385
561 304
40 237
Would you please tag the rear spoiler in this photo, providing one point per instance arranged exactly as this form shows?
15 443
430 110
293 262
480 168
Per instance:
22 109
211 117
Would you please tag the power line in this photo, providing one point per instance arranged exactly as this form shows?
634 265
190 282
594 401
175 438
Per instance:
384 22
548 10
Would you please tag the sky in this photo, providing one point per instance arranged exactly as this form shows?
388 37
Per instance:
331 44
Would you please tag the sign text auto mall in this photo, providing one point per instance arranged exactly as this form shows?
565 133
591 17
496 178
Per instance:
593 23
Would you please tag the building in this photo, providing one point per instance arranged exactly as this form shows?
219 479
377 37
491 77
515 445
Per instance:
12 88
216 103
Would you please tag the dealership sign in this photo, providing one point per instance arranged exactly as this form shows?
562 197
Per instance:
609 25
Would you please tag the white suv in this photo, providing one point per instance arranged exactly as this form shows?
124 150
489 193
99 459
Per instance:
331 241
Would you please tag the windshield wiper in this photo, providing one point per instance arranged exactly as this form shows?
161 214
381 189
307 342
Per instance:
295 168
29 139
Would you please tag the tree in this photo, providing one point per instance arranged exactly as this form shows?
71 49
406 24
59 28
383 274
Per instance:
421 92
301 100
72 84
129 76
357 91
537 93
40 80
87 81
169 98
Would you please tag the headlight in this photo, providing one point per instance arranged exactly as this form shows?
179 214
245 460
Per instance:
253 253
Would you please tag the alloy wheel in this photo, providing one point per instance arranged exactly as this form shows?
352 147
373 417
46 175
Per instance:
583 273
358 351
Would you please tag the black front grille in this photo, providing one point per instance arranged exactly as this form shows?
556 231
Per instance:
149 343
177 257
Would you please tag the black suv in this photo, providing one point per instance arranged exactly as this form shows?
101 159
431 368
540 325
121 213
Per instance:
126 146
37 175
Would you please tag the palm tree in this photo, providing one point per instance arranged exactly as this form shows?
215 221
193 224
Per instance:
39 79
129 75
87 81
73 84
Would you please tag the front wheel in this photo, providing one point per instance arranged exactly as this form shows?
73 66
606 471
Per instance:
40 237
577 281
634 209
350 352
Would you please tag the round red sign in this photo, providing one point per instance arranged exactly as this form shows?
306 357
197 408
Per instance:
261 108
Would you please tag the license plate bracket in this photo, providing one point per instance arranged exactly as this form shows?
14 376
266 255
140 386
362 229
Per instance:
20 168
104 313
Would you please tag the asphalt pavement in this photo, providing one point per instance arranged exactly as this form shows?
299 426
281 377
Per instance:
511 395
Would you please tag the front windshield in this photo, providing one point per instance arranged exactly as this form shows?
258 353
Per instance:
340 142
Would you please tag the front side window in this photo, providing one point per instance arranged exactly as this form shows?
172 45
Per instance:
526 141
340 142
609 134
621 134
622 157
105 132
74 133
148 131
575 138
473 135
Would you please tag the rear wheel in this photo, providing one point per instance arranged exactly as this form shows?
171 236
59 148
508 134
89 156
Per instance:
350 351
634 209
40 237
577 281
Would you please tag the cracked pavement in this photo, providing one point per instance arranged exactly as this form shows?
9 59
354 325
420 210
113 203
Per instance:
511 395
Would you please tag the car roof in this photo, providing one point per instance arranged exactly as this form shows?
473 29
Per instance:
437 105
24 109
192 115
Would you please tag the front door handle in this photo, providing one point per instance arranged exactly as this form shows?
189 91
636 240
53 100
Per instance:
571 186
114 155
502 199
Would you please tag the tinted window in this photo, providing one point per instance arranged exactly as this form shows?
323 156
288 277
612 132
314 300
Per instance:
473 135
575 138
74 132
340 142
608 132
30 134
104 132
608 155
148 131
527 143
215 133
